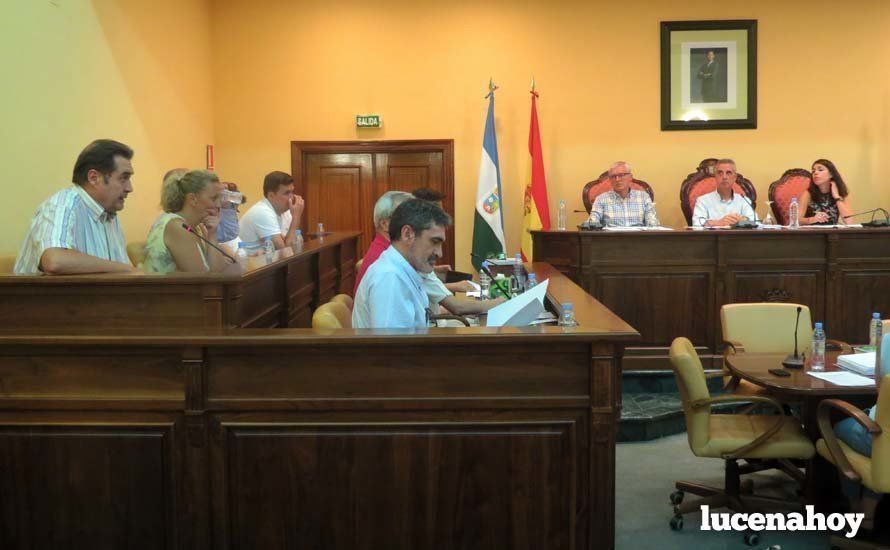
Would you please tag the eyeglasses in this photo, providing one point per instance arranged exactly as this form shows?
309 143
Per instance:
617 176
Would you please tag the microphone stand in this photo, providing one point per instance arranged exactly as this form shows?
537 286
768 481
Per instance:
220 250
747 224
872 223
794 361
491 276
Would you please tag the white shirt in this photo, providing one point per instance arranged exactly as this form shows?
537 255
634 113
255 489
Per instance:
390 295
73 220
711 207
261 222
435 289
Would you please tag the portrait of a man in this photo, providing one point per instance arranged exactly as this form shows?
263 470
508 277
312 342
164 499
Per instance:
708 71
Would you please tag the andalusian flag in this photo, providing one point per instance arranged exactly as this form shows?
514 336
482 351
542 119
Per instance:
488 223
537 211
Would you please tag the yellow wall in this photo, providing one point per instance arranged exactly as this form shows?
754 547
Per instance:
169 76
75 70
301 70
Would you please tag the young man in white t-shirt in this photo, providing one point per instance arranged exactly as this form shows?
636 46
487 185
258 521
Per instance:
276 216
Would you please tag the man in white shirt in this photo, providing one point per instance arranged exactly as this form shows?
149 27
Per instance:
391 294
277 216
722 207
77 229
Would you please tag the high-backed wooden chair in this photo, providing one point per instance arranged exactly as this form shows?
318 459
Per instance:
702 181
344 299
595 188
7 263
136 252
332 315
763 441
792 183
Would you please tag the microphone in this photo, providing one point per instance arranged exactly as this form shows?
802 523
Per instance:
220 250
484 268
794 361
872 223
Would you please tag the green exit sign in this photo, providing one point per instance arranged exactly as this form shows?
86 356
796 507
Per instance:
367 121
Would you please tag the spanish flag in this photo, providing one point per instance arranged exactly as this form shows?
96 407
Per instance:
537 211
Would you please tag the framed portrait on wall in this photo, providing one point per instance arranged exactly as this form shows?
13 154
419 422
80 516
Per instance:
708 74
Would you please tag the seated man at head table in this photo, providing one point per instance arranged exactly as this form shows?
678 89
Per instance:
722 207
77 229
436 290
623 206
276 216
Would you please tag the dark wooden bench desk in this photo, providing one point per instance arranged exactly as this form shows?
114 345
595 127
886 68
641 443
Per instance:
282 292
301 438
672 283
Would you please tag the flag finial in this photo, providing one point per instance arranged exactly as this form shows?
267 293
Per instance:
491 87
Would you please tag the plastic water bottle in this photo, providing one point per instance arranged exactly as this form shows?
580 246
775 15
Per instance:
484 283
567 319
241 254
874 330
518 276
532 281
793 222
268 247
298 240
817 357
561 216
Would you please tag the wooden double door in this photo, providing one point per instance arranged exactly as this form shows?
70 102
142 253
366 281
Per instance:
341 181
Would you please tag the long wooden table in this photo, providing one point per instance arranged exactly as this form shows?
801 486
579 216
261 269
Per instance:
301 438
279 291
673 283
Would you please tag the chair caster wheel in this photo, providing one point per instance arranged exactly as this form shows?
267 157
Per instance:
676 523
752 539
677 497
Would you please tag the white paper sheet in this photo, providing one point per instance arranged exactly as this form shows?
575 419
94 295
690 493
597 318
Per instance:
843 378
521 310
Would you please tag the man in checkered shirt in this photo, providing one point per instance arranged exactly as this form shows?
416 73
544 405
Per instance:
623 206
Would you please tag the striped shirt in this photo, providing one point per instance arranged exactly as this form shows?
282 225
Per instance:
73 220
637 209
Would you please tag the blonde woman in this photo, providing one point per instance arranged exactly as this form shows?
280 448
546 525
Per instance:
191 203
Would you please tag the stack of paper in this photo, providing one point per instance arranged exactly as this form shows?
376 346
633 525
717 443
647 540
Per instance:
840 378
860 363
521 310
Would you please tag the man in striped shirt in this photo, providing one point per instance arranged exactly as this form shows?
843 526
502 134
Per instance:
76 230
623 206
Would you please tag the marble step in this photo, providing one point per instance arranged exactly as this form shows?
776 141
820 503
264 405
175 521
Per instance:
658 381
646 416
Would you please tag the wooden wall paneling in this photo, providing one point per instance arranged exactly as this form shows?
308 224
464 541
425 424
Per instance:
605 387
105 482
263 303
661 305
328 274
301 291
214 304
348 257
257 379
560 252
95 303
388 483
64 378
